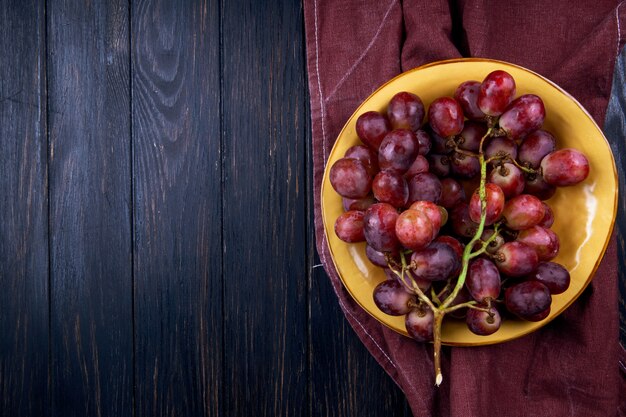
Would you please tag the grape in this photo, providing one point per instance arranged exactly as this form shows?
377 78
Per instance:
564 167
539 316
483 280
501 147
445 116
432 211
379 225
414 229
471 135
461 222
424 186
366 155
482 323
464 166
495 93
523 212
398 151
544 241
453 243
419 165
350 178
451 193
494 245
440 145
467 96
536 186
405 111
360 204
349 226
552 275
419 324
392 298
535 146
439 165
436 262
494 197
371 127
391 188
548 218
523 116
509 178
423 138
516 259
528 300
376 257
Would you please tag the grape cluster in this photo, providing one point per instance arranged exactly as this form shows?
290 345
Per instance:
484 254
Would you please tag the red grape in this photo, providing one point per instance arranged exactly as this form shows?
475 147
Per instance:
424 186
392 298
439 165
548 218
564 167
467 96
423 138
379 227
414 229
483 280
436 262
419 165
516 259
419 324
350 178
464 166
371 127
391 188
360 204
536 186
494 197
496 92
405 111
509 178
366 155
461 222
349 226
432 211
482 323
535 146
445 116
544 241
398 151
523 212
552 275
471 135
501 147
451 193
523 116
528 299
453 243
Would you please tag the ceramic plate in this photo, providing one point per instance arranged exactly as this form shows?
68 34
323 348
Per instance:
584 214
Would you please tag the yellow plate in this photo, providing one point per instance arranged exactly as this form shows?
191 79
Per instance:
584 214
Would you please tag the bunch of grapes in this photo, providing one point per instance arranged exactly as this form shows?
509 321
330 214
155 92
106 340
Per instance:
481 255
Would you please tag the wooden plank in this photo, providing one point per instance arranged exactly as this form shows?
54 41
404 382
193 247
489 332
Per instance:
24 219
177 217
615 131
90 206
265 270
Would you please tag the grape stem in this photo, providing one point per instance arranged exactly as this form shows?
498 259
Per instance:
526 169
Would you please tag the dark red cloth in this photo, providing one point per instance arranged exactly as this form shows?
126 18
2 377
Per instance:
568 368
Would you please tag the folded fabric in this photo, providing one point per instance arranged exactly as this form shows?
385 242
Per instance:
568 368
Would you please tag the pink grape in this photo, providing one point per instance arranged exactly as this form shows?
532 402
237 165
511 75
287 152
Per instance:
392 188
432 211
350 178
523 212
544 241
379 225
392 298
467 96
523 116
397 151
414 229
494 198
445 116
371 127
516 259
405 111
496 92
349 226
564 167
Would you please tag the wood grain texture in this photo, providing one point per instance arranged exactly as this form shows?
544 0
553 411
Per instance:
265 263
91 269
615 131
23 207
177 216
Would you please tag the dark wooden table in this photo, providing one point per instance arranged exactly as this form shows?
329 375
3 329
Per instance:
156 249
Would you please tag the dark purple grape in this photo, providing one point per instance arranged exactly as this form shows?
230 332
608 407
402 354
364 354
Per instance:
419 165
509 178
495 93
534 147
392 188
483 323
564 167
350 178
523 212
452 193
462 224
445 117
436 262
439 165
464 166
471 135
501 147
423 138
494 197
371 127
548 218
523 116
516 259
467 96
414 229
379 227
535 185
398 151
483 280
349 226
453 243
440 145
419 324
366 155
528 299
376 257
405 111
392 298
424 186
539 316
553 276
360 204
544 241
